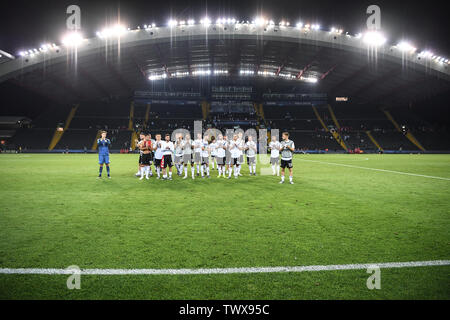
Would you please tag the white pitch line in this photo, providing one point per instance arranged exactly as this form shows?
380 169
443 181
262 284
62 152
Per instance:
48 271
375 169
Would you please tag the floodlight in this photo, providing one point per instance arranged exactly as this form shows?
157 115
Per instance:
374 38
72 39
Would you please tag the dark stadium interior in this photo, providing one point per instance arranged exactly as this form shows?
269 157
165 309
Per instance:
422 119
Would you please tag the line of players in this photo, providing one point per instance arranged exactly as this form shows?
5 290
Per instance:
227 154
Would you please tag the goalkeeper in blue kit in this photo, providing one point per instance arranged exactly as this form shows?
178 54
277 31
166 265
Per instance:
103 153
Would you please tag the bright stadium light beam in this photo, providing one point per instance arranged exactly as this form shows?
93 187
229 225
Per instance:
172 23
259 21
426 54
115 31
154 77
119 30
72 39
309 79
205 21
406 47
374 38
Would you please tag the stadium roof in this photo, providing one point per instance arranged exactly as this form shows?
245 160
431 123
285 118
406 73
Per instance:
186 56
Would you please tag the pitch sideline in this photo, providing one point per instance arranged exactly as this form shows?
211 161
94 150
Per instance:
384 265
375 169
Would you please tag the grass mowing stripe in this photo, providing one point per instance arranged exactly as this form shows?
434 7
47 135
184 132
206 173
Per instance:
375 169
225 270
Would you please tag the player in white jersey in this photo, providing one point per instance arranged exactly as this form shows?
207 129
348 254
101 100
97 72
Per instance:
158 154
241 151
205 157
235 148
198 144
167 149
141 138
250 147
213 150
179 154
188 144
227 155
274 147
221 145
287 150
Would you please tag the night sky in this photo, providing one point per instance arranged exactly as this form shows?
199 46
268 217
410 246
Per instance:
29 24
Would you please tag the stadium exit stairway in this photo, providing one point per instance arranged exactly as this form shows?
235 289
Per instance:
408 134
58 133
334 133
374 141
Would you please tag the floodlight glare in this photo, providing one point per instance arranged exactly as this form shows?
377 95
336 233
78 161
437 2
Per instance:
114 31
205 21
374 38
309 79
259 21
406 47
426 54
172 23
72 39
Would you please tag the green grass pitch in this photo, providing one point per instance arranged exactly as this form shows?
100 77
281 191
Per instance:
55 213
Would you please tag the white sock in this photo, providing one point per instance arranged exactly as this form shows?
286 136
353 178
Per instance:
146 171
158 171
250 169
220 170
290 178
278 170
201 170
282 178
229 171
254 168
236 171
198 168
185 171
193 171
207 171
170 174
141 171
273 169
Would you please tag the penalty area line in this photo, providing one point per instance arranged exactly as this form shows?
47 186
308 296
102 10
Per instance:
69 271
375 169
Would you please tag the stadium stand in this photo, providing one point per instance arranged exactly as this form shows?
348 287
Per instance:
353 120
